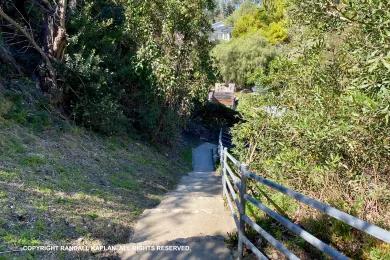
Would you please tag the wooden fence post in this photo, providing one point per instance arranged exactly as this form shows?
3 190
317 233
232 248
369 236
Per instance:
241 229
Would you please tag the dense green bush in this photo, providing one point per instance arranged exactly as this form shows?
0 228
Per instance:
248 23
127 64
239 60
332 141
268 20
247 7
256 29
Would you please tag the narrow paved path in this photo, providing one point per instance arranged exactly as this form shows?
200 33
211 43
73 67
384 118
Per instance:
192 216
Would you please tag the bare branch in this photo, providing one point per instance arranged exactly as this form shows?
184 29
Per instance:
16 43
31 39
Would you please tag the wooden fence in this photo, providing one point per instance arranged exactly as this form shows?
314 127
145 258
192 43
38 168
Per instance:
235 176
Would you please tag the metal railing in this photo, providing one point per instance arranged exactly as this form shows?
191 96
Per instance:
225 138
235 191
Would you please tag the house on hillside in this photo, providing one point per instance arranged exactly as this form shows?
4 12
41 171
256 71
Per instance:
221 32
224 94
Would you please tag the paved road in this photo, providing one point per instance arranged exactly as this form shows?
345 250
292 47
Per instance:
193 216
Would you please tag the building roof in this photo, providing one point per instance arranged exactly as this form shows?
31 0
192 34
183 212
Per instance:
221 27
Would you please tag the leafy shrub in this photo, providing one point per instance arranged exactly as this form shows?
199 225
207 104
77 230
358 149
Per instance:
248 23
256 28
240 58
269 20
139 64
276 32
22 103
245 8
332 134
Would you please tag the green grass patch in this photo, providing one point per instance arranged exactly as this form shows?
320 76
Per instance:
92 215
114 144
63 200
39 120
379 252
11 145
45 190
24 239
33 160
124 181
3 195
5 106
40 225
34 116
41 206
8 176
71 178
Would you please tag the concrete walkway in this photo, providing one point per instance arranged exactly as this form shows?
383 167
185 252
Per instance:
193 216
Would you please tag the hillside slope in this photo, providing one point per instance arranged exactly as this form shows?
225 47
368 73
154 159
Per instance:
64 185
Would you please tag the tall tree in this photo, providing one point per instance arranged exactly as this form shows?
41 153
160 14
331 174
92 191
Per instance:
50 42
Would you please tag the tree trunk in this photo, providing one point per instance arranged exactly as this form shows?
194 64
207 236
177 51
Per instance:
53 44
55 39
55 31
31 39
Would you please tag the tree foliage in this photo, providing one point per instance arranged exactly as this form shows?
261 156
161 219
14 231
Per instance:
126 63
256 29
239 60
245 8
248 23
269 20
332 81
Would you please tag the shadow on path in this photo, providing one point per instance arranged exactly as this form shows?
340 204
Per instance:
193 216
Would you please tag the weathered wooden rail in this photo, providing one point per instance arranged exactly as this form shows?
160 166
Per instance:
234 183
